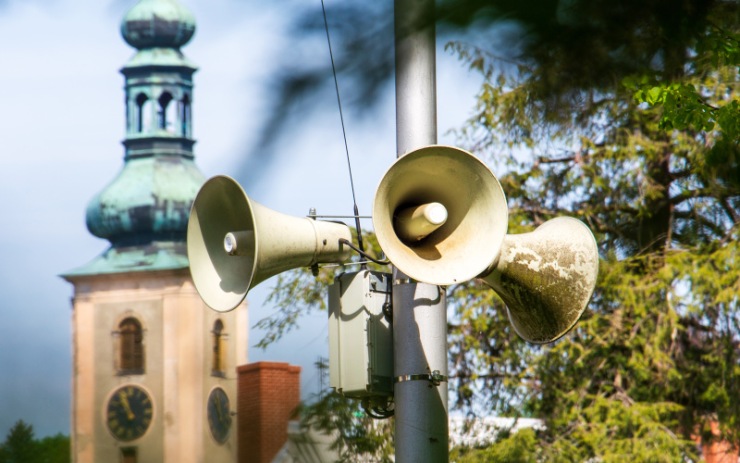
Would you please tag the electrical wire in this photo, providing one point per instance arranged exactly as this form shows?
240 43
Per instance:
344 132
363 253
378 408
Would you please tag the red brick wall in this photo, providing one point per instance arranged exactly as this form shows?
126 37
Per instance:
267 398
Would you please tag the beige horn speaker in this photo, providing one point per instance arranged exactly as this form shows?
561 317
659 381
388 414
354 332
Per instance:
440 215
235 243
546 278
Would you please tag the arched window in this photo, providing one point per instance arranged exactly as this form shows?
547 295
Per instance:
164 113
185 116
131 347
218 367
142 113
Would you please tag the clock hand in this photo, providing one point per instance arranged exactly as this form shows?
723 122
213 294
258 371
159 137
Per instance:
126 406
218 408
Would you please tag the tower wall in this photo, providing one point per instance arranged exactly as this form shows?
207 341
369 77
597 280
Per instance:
178 347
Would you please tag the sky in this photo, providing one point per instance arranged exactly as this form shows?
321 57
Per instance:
61 124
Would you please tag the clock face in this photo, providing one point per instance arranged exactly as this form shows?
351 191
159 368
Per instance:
219 415
129 413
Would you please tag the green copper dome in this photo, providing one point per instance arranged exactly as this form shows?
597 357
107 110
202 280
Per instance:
148 201
158 24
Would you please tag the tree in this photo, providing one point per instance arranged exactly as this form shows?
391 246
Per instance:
647 155
574 44
654 360
54 449
20 446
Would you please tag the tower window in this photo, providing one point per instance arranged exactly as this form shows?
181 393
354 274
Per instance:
218 367
131 347
128 455
142 113
164 102
185 116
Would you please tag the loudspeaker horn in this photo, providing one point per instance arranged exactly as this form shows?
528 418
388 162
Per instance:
546 278
440 215
235 243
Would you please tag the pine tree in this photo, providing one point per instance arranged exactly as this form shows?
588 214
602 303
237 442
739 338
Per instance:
655 360
19 446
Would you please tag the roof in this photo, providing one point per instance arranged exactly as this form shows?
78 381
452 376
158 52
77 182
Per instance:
150 257
158 23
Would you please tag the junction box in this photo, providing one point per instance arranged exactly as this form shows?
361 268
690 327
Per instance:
360 336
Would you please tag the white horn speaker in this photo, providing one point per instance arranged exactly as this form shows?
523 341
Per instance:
440 215
235 243
546 278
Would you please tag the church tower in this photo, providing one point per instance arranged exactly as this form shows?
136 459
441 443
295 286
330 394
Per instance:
154 369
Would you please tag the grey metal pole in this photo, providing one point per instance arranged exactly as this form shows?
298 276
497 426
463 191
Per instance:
419 309
416 86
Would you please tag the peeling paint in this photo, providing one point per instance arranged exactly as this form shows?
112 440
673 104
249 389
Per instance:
546 278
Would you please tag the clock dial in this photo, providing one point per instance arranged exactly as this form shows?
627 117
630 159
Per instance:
129 413
219 415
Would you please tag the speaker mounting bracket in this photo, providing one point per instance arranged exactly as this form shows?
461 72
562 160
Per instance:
435 378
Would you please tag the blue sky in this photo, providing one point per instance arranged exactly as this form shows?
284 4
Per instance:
61 123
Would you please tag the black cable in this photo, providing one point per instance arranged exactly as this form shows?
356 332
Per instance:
344 132
363 253
377 411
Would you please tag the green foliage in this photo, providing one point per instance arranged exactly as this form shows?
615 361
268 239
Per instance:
519 447
655 358
356 434
692 100
54 449
20 446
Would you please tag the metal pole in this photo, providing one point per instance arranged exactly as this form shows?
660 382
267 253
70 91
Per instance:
419 309
416 86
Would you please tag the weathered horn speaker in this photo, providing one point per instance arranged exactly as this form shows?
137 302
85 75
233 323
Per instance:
440 216
235 243
417 194
546 278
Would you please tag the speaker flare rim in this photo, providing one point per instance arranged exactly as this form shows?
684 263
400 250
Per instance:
469 243
222 280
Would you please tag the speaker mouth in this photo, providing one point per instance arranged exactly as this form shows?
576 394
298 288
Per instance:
469 242
222 278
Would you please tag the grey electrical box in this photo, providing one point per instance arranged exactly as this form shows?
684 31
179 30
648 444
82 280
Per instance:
360 337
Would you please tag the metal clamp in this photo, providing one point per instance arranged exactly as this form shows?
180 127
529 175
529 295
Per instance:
435 378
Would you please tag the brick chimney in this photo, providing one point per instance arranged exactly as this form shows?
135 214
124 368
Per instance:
268 396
